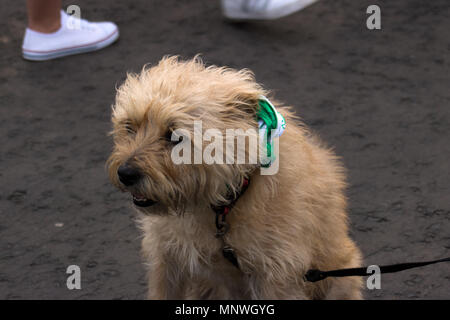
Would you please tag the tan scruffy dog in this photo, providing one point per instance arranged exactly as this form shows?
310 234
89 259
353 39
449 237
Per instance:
282 226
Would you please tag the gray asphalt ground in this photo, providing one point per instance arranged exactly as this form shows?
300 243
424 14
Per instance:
380 98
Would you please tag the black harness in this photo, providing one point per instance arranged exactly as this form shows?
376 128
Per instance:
222 226
313 275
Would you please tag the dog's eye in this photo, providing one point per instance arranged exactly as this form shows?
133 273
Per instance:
168 137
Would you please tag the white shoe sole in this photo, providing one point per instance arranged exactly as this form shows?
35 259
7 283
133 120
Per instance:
53 54
267 15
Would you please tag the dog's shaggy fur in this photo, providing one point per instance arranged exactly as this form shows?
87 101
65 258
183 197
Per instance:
284 224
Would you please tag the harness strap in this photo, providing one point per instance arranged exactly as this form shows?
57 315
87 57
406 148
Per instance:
222 226
222 210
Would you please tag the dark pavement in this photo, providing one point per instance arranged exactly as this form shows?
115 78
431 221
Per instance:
380 98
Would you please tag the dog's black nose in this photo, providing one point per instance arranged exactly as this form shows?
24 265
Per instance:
128 175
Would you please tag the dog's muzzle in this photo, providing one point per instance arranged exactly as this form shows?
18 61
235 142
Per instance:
140 201
128 175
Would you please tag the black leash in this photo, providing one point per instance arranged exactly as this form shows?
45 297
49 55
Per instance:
314 275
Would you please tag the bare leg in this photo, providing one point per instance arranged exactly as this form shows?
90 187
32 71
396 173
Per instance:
44 15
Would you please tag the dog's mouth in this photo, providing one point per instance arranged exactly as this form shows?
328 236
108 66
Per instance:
141 201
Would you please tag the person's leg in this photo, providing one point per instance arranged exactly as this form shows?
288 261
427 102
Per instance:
44 15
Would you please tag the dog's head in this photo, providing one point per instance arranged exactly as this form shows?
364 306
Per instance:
167 123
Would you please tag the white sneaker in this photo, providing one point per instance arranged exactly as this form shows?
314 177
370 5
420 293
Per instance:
75 36
261 9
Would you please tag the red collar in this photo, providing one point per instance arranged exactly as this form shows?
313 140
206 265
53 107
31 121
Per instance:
231 200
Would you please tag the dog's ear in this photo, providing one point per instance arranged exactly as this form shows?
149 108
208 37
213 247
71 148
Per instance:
250 105
238 91
242 106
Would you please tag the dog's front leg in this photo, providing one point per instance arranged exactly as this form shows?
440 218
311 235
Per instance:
164 282
266 288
